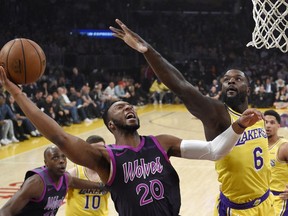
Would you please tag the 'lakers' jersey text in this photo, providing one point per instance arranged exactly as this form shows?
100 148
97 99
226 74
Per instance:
245 172
85 202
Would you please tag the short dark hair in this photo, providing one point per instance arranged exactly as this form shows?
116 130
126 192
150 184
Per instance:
105 114
95 139
273 113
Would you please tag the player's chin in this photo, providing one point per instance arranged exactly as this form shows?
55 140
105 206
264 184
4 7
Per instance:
61 171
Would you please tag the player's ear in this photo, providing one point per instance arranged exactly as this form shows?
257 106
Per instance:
111 125
248 91
45 162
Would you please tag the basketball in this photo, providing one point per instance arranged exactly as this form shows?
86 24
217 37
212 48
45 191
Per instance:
24 60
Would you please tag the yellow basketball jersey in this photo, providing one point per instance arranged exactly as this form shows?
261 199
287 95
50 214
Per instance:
279 169
245 172
85 202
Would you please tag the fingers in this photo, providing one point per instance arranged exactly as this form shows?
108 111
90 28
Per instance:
121 24
116 31
2 74
251 112
283 196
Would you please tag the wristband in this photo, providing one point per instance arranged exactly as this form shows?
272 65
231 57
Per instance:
240 125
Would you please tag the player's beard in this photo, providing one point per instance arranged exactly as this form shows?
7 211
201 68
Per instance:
127 128
235 101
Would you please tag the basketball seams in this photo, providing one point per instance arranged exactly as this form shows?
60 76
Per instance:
7 57
39 56
21 58
24 60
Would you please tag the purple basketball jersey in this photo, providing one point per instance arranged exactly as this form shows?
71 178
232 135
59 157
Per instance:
143 182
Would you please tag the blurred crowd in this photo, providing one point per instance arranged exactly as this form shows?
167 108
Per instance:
84 74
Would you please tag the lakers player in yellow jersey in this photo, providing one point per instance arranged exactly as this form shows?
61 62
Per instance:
278 148
235 173
244 173
87 202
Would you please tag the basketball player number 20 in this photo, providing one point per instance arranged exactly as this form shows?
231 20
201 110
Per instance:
92 202
258 160
154 190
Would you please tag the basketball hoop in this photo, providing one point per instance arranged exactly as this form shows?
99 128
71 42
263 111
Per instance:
271 24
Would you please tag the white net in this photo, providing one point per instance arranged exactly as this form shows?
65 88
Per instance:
271 24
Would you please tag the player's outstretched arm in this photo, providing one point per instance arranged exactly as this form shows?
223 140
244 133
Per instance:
31 189
215 149
196 103
76 149
74 182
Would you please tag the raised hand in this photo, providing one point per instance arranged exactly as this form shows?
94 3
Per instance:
5 82
129 37
249 117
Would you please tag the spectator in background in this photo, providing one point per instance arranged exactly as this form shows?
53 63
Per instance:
216 85
77 79
44 88
52 108
158 90
75 96
140 95
213 93
30 89
7 128
38 97
120 91
270 89
260 97
280 83
66 104
109 94
22 125
201 87
91 108
97 95
281 98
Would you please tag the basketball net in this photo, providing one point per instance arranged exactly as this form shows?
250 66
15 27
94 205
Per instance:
271 24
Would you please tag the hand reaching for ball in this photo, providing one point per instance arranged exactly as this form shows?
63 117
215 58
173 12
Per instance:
24 60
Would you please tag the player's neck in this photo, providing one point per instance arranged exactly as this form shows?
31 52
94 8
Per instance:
273 139
132 140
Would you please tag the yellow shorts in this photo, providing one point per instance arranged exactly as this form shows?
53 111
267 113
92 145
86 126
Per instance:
265 208
280 206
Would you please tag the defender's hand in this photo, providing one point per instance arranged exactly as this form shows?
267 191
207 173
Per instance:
129 37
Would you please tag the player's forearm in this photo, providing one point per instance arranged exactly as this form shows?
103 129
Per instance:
85 184
46 125
11 208
5 213
212 150
165 71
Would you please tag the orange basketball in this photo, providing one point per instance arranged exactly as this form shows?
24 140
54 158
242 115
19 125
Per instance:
23 60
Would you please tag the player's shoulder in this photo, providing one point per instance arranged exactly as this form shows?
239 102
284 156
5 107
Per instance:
33 183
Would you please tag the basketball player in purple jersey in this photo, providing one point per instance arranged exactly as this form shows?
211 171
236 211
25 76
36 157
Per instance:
137 168
247 166
45 188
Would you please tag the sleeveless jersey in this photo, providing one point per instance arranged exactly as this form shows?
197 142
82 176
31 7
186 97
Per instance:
143 181
245 172
279 169
52 196
85 202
